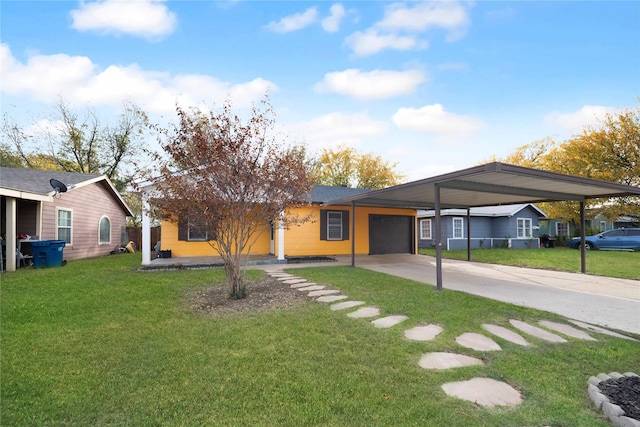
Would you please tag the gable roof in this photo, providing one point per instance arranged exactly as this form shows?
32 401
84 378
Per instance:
33 184
324 193
485 211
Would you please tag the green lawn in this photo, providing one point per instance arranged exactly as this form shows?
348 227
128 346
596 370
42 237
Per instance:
624 265
98 343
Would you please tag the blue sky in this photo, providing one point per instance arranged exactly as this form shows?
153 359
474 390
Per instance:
431 86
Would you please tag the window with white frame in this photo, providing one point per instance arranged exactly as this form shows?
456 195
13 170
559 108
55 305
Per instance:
458 227
524 228
425 229
64 220
562 229
104 231
334 225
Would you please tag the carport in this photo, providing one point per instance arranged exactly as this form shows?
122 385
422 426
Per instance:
491 184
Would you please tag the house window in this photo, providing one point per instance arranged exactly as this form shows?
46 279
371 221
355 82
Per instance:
524 228
425 229
197 232
334 225
458 225
104 231
562 229
64 222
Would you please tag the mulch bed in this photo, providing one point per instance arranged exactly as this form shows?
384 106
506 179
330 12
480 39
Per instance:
624 392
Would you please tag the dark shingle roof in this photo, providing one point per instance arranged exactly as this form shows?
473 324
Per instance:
37 181
325 193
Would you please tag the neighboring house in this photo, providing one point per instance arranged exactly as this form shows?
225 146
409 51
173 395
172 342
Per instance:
594 222
378 231
90 217
512 226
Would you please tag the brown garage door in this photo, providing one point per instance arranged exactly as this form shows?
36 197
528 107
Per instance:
390 234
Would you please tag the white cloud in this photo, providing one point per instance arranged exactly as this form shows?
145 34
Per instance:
377 84
429 170
433 119
372 41
588 115
294 22
421 16
331 130
331 23
79 81
145 18
402 24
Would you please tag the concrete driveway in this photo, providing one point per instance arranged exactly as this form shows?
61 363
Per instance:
608 302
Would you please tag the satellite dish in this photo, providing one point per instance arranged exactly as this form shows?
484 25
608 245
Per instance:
58 186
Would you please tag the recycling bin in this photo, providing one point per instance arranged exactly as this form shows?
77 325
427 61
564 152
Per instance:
47 253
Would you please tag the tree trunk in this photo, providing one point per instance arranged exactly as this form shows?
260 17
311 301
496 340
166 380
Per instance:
237 288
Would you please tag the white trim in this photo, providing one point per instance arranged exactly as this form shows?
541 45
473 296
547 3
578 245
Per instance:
100 242
525 228
426 221
58 209
453 227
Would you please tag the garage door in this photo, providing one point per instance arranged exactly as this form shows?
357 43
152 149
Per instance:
391 234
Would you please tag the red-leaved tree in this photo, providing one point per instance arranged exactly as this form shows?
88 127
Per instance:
230 179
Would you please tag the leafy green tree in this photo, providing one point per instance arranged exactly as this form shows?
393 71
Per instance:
346 167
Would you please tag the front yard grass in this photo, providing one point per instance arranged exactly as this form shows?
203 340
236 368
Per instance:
625 265
98 343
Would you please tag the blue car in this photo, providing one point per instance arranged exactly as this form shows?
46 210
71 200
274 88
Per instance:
621 239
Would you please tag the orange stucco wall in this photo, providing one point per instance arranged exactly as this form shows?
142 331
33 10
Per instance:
305 240
299 240
181 248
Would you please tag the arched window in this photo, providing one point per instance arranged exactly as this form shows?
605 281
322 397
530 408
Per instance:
104 231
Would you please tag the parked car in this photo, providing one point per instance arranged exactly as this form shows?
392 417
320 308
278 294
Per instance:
623 239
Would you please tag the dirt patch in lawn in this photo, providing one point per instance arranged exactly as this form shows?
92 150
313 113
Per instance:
262 295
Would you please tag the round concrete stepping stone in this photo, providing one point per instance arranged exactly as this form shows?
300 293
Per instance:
567 330
294 281
484 391
311 288
506 334
423 333
364 312
332 298
346 304
301 285
441 360
477 342
599 330
536 332
389 321
323 292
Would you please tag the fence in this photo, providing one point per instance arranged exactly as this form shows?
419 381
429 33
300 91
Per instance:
134 234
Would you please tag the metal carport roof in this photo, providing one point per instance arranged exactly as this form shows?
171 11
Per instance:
490 184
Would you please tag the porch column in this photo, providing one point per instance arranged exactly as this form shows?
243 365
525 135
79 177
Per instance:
583 254
353 234
10 219
281 238
438 241
468 234
146 230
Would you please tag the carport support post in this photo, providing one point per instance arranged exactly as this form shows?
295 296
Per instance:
353 234
468 234
436 199
583 253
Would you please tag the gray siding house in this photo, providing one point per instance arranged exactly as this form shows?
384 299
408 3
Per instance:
507 226
90 217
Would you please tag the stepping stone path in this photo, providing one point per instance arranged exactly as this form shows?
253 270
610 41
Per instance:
423 333
389 321
477 342
482 391
447 361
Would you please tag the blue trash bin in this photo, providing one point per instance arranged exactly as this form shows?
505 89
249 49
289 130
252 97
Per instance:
47 253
